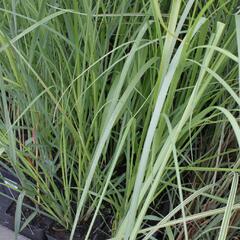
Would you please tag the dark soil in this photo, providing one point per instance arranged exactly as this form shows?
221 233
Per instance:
100 230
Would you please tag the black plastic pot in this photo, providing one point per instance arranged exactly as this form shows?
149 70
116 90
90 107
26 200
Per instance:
6 193
7 209
50 237
11 180
41 227
56 232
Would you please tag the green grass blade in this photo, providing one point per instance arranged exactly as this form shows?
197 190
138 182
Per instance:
228 211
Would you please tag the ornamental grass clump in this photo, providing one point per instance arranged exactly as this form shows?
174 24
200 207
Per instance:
128 110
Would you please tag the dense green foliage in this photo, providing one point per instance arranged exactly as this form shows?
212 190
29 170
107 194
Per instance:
129 106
